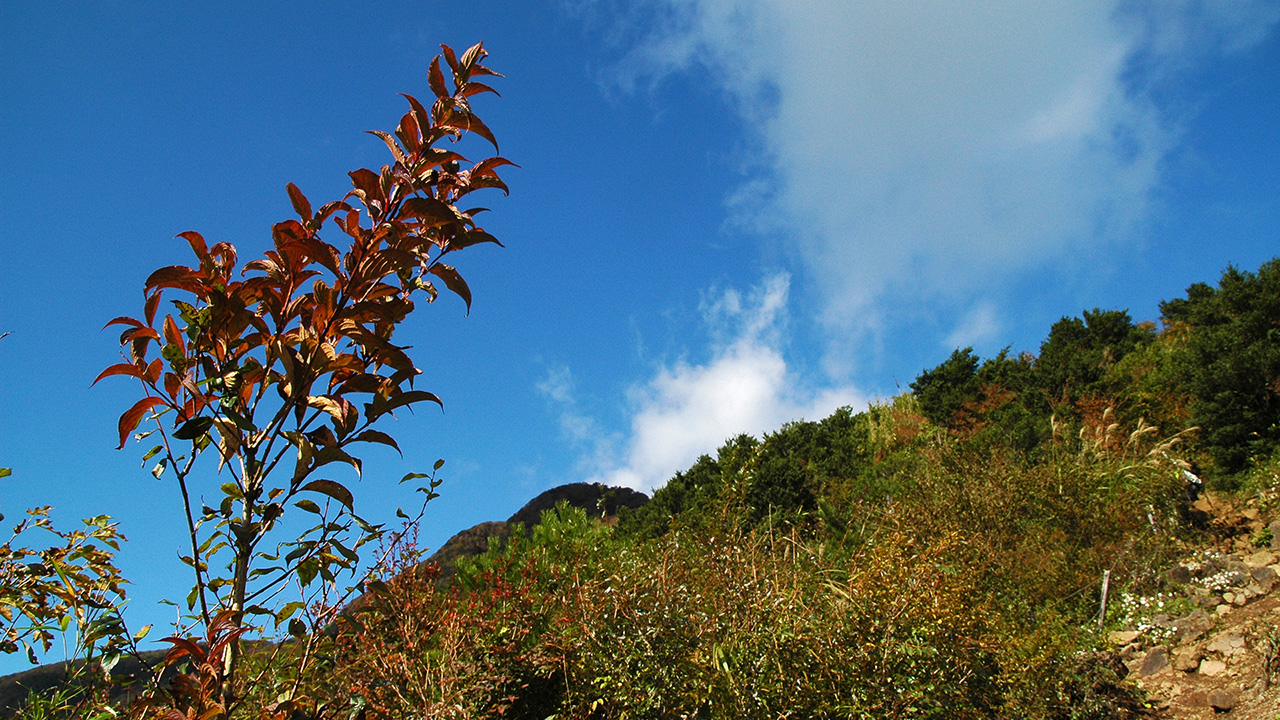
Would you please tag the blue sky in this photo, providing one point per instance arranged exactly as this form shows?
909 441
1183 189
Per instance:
729 213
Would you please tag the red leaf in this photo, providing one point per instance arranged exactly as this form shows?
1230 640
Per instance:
474 237
196 241
409 133
435 78
176 276
367 182
131 417
133 334
154 370
474 54
122 320
424 118
300 204
464 120
391 144
153 302
453 281
172 385
120 369
475 88
429 208
172 335
182 648
483 182
488 166
482 70
450 58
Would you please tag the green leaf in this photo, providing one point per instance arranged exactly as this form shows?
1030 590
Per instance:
380 407
439 464
413 476
334 454
287 611
375 436
335 490
307 571
308 505
193 428
5 472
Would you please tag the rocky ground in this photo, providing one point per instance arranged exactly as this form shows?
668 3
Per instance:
1209 646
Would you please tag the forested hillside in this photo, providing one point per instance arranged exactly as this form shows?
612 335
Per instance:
937 555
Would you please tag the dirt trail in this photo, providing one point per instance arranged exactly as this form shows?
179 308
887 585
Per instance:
1212 662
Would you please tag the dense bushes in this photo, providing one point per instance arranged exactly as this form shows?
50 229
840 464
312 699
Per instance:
961 594
696 624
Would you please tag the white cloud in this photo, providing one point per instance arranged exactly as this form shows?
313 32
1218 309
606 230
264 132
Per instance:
577 426
922 152
686 410
980 326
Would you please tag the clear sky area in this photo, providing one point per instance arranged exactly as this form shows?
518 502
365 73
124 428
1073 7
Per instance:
728 214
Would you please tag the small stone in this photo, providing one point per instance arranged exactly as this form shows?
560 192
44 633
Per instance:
1156 660
1239 600
1222 700
1226 645
1122 637
1179 574
1262 558
1211 601
1212 668
1198 619
1274 527
1228 597
1266 577
1220 645
1188 659
1222 610
1190 635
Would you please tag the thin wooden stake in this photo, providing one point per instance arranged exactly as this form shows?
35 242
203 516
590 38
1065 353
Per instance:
1102 605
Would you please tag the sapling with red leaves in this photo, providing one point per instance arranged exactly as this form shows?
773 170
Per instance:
284 367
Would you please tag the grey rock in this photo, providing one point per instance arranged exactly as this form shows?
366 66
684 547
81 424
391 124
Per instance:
1274 527
1179 574
1222 700
1265 577
1156 660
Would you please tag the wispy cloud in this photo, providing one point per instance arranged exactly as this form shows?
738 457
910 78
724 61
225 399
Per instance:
688 409
980 326
921 153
